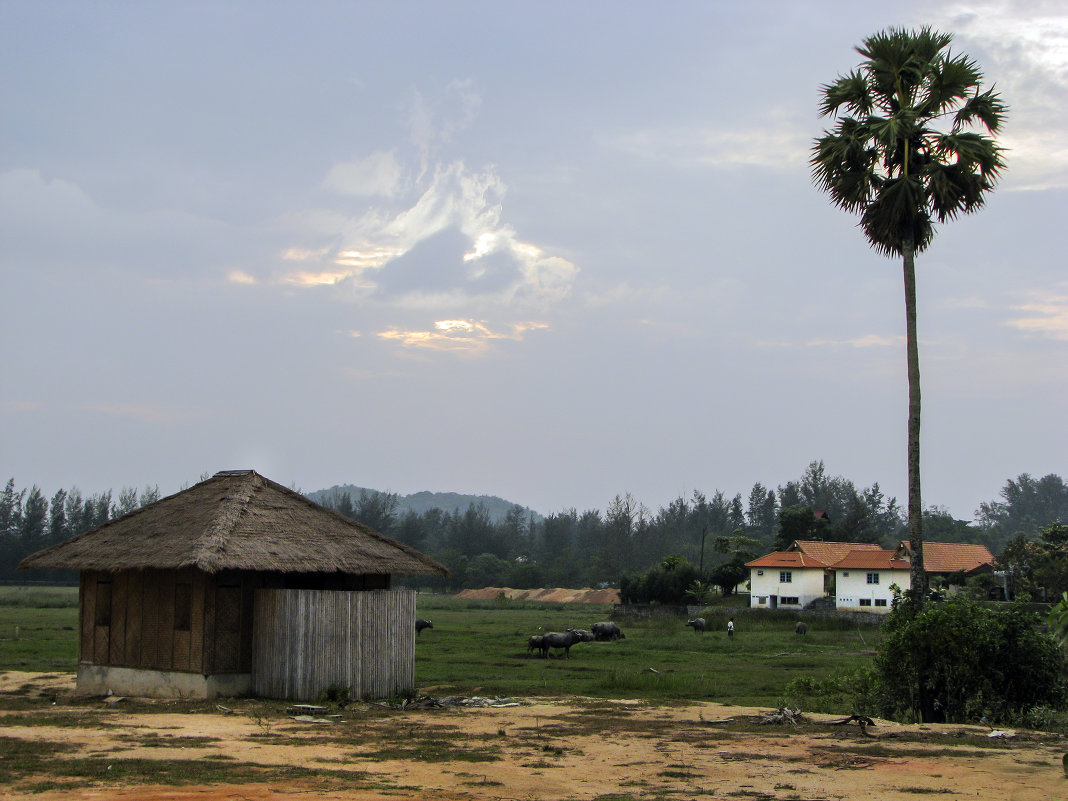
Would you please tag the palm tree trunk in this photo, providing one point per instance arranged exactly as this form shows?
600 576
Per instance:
915 504
928 713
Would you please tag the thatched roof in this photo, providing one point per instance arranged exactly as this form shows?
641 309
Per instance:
236 520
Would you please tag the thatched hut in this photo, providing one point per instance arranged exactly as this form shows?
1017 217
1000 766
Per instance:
240 585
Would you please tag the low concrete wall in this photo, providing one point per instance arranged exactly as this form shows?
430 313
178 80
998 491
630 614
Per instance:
101 680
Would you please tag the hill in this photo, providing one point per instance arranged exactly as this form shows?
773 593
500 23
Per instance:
420 502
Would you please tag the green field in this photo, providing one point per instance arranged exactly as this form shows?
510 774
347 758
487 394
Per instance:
38 628
479 648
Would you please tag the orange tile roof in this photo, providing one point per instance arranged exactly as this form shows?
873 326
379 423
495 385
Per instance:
787 559
952 557
872 560
831 552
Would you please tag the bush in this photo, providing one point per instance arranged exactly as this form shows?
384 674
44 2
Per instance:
962 660
856 691
667 583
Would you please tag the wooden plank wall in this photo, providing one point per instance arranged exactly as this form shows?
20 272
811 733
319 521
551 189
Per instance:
138 628
307 640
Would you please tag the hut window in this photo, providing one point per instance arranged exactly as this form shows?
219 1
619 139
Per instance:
183 606
102 607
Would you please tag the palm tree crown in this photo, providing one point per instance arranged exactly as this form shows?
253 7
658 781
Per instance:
902 153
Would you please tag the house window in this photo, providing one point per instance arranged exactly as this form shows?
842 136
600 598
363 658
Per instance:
786 576
873 578
880 602
183 606
846 574
763 599
865 601
785 601
760 572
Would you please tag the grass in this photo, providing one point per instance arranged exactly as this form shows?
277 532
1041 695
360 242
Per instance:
479 648
38 628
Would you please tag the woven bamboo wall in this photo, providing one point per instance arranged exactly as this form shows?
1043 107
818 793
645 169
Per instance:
306 640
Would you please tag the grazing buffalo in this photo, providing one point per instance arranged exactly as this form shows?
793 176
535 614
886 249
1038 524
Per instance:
555 639
421 624
698 624
800 628
604 632
583 635
534 643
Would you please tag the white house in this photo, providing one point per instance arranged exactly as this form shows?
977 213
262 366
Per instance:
862 580
789 579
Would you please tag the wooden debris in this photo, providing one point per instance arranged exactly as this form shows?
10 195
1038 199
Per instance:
306 709
783 715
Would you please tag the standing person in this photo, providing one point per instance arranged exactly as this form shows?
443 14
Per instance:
730 627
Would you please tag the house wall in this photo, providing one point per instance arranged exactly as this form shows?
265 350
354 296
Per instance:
767 590
307 640
129 619
852 589
183 621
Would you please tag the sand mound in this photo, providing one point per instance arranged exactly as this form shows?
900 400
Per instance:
556 595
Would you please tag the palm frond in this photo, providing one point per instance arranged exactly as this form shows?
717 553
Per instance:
971 151
898 215
893 162
850 91
952 80
953 189
987 108
843 165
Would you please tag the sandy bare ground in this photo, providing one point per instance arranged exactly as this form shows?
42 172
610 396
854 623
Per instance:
559 595
578 749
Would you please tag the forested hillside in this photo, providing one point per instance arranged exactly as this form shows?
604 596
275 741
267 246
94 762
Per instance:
420 502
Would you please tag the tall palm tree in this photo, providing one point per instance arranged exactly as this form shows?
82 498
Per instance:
904 154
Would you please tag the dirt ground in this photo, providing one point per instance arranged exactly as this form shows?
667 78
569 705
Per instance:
582 749
560 595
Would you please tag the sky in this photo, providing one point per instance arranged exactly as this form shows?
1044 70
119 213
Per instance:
552 251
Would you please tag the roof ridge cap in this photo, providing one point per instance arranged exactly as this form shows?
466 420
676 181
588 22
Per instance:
232 507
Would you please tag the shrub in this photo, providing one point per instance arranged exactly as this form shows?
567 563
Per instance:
962 660
667 583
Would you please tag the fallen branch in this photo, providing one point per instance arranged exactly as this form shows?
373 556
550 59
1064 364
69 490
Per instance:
861 720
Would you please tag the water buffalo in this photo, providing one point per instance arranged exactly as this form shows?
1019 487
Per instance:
698 624
583 635
800 628
603 632
534 643
421 624
555 639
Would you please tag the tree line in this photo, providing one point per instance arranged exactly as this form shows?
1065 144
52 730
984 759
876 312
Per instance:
715 534
29 521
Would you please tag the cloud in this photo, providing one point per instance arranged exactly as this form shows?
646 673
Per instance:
471 336
377 174
1023 50
142 413
1045 315
451 238
777 142
241 277
436 121
865 341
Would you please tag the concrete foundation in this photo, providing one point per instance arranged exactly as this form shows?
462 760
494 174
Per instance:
100 680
